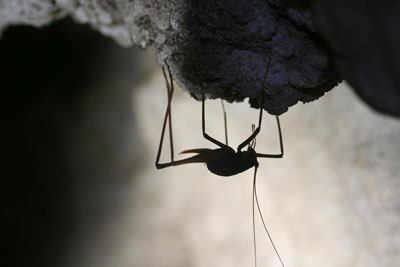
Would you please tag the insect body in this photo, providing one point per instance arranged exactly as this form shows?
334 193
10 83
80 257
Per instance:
224 160
231 162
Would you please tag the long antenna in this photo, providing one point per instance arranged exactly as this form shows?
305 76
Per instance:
254 223
262 219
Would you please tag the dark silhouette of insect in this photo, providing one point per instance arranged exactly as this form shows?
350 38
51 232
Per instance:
224 160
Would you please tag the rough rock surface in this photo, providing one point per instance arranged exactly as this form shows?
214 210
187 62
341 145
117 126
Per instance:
225 45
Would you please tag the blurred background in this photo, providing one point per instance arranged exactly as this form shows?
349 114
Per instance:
81 123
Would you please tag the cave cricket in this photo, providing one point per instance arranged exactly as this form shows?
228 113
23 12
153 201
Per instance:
224 160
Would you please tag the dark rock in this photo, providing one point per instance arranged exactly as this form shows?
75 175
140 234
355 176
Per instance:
225 45
365 38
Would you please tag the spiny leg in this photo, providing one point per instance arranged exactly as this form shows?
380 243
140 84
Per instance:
262 219
203 122
254 134
225 122
259 155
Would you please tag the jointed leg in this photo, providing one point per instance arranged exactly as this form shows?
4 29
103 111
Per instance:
170 92
259 155
254 134
203 123
202 157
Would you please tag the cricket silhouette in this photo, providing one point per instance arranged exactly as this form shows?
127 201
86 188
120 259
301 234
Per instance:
224 160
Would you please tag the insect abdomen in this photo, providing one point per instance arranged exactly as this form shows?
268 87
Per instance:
232 163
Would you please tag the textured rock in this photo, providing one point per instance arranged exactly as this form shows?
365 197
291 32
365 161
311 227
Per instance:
225 45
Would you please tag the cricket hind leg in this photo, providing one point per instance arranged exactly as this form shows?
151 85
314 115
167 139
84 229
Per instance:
201 158
167 117
170 90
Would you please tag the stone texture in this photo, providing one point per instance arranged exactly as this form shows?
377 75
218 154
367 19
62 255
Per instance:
225 45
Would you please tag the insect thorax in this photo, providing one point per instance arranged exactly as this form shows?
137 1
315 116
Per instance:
231 162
